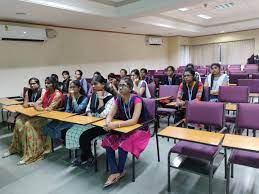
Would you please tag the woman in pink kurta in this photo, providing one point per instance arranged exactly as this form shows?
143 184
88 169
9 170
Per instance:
130 109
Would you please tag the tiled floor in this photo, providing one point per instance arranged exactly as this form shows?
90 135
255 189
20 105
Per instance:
56 176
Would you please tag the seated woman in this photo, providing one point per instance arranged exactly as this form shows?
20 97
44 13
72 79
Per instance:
28 138
76 103
214 80
197 74
140 86
66 82
113 83
83 82
80 136
129 108
31 95
189 90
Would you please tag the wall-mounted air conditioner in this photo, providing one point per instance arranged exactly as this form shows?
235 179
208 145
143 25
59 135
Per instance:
19 33
154 40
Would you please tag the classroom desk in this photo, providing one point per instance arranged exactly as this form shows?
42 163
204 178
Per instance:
31 111
12 108
121 129
203 137
253 94
81 120
171 104
57 115
232 84
188 163
162 98
241 142
8 102
231 107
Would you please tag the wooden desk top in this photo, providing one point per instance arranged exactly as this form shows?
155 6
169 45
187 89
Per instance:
121 129
31 111
232 84
241 142
171 104
7 102
253 94
81 120
12 108
163 98
231 107
192 135
57 115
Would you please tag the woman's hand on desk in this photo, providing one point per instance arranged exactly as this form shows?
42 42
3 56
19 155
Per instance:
110 126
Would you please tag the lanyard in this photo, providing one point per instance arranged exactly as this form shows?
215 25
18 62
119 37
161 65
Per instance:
190 94
128 114
34 97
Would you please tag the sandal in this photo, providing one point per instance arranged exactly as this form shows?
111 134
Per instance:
6 154
110 181
21 163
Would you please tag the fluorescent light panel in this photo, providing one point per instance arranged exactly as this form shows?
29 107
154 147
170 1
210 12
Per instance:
204 16
183 9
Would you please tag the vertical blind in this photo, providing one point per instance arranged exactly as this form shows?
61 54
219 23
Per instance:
236 52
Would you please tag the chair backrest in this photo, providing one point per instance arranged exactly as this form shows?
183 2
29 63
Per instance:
207 113
150 107
234 94
233 77
152 90
255 76
247 116
253 84
168 90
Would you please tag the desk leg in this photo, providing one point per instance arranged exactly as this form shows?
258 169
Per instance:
157 148
211 178
225 155
169 171
228 178
133 168
95 156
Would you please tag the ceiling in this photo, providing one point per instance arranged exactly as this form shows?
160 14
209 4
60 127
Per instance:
156 17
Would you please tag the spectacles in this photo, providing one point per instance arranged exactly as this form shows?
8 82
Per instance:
123 85
187 75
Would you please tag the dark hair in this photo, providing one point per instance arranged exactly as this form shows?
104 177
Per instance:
191 71
80 72
212 76
144 69
97 73
129 82
78 84
125 71
99 78
136 71
53 80
112 75
170 67
190 65
55 76
65 72
35 79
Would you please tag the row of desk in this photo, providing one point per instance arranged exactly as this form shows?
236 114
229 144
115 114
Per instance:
15 106
211 138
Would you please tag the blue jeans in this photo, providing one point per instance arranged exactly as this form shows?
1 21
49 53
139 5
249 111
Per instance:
116 168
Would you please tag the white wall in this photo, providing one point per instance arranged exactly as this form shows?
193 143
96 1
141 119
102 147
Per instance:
75 49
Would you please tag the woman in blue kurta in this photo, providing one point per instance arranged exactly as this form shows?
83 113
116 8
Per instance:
76 103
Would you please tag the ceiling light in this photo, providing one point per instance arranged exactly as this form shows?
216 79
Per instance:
183 9
224 6
204 16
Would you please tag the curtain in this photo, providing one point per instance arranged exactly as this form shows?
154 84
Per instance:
237 52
